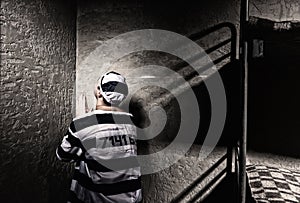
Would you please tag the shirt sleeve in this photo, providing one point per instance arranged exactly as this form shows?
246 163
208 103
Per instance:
71 148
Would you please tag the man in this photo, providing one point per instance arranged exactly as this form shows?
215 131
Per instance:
102 144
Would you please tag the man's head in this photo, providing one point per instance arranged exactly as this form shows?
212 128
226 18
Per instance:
112 87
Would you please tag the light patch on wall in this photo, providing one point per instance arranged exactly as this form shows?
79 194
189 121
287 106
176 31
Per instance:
147 76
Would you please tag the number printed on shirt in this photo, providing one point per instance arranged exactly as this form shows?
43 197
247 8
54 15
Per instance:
121 140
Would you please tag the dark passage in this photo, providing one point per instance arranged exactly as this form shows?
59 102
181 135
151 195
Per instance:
274 96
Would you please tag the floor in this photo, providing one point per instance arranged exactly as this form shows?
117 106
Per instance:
274 160
272 184
271 178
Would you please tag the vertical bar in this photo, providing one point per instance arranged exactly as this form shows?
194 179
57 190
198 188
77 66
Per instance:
231 141
229 159
244 18
237 172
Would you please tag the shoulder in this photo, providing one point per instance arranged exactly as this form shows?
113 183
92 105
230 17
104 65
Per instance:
102 112
98 117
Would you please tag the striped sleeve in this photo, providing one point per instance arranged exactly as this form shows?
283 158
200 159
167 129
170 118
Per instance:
70 149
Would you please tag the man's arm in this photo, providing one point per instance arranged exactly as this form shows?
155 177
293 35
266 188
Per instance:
70 149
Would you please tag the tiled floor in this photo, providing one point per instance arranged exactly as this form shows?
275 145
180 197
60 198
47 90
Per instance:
273 178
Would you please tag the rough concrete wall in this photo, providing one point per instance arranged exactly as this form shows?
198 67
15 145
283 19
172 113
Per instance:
37 76
100 21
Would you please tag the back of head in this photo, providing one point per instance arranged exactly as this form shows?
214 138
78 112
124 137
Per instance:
113 88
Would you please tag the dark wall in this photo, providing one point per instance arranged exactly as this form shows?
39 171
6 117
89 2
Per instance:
37 79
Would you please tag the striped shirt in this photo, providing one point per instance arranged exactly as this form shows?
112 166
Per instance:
103 146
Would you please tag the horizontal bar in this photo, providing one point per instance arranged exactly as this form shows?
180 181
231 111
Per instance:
208 186
219 45
198 180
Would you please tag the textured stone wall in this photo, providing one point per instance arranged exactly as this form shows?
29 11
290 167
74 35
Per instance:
100 21
37 79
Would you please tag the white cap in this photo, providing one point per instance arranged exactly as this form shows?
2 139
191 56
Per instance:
113 87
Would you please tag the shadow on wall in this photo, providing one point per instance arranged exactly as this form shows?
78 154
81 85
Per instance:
229 70
223 54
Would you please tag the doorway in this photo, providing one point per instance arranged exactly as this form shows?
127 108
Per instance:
274 87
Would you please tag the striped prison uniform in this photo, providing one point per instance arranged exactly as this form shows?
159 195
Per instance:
103 146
